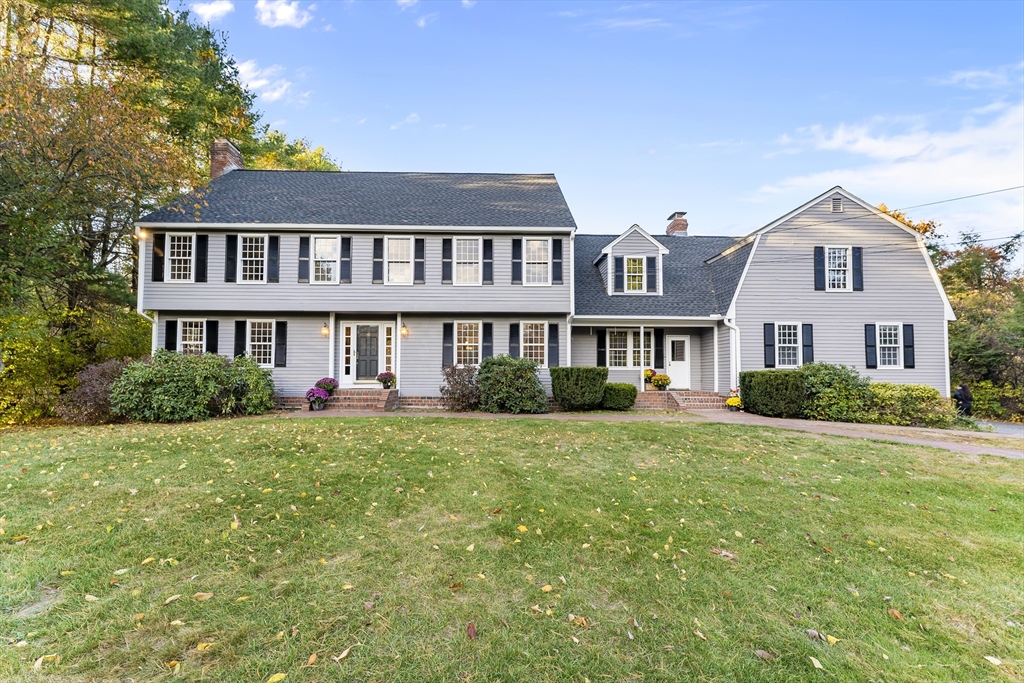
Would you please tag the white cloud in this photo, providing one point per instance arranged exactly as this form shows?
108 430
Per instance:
274 13
426 19
213 10
267 83
986 79
361 121
405 4
411 118
468 3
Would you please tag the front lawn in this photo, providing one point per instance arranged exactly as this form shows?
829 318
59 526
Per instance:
236 550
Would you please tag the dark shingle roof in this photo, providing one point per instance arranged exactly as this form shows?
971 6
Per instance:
688 281
359 198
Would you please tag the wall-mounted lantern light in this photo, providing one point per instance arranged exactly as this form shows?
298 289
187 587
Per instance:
325 331
404 331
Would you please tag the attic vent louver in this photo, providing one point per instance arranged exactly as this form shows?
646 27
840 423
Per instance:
837 205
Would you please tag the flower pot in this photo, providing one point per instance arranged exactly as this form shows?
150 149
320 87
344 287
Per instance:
315 405
386 385
648 386
662 388
734 409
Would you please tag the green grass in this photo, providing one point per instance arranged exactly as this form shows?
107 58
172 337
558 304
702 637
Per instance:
622 520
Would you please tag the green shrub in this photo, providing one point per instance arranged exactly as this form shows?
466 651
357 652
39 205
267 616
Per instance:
460 392
252 388
916 405
37 364
510 385
835 393
774 393
618 396
578 388
994 402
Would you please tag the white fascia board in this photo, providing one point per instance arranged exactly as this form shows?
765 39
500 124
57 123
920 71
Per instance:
633 320
731 313
662 249
344 227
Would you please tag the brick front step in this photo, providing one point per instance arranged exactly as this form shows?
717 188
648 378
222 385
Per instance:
379 400
679 400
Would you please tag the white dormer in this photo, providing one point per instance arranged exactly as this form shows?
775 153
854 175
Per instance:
631 264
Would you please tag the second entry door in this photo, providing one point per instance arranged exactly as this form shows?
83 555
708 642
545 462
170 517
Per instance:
678 366
367 350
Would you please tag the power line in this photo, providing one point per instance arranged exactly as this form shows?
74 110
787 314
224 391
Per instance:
956 199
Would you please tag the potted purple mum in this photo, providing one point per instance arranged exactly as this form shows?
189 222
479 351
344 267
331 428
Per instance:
328 384
386 379
317 397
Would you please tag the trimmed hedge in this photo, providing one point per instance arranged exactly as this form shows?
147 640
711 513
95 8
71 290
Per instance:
579 388
916 405
618 396
510 385
774 393
835 393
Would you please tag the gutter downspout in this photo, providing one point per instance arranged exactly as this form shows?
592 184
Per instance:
572 298
140 237
734 352
642 359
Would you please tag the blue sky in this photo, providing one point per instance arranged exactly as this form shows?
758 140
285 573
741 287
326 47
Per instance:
733 112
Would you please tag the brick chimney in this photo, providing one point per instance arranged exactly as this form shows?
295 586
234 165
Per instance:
224 158
677 224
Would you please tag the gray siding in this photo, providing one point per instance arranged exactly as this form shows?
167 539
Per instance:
584 353
707 360
898 288
636 245
602 267
361 295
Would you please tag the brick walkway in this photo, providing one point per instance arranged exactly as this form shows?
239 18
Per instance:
934 438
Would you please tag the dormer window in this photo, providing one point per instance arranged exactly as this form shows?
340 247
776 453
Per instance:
635 274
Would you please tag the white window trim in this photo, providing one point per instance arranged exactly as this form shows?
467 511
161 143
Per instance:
479 341
849 269
313 259
630 348
625 265
539 284
167 258
799 345
266 249
273 339
479 262
522 335
878 346
387 263
181 329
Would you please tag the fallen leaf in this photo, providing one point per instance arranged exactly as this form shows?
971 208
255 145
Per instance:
177 622
46 658
579 620
312 660
203 647
347 587
895 614
816 663
815 635
763 654
91 598
455 586
202 596
242 599
994 660
832 640
342 655
522 529
471 631
140 616
171 599
546 588
147 561
470 547
277 678
699 635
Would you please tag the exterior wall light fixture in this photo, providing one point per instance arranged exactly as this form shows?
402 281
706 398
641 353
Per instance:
404 331
325 331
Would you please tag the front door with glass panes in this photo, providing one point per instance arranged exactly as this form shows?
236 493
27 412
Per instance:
678 362
367 351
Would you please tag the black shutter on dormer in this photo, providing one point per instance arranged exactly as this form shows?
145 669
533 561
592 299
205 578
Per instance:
858 269
517 261
230 257
378 260
241 329
487 341
202 252
488 273
448 345
171 335
652 274
304 258
808 343
602 352
819 269
908 347
769 345
513 340
281 344
212 336
446 261
273 258
419 265
870 350
556 261
620 274
659 348
159 242
552 345
346 260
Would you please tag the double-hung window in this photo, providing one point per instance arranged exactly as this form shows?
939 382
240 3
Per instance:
635 274
261 342
252 258
326 253
890 352
467 343
192 335
467 260
648 338
626 351
787 345
837 264
537 261
399 260
180 257
618 349
534 341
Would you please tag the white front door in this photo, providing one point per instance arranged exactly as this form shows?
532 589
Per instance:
678 363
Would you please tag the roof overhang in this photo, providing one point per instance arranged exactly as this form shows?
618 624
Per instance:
342 227
634 320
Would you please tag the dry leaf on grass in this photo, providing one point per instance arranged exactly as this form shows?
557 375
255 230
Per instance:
764 655
312 660
277 678
832 640
343 654
471 631
203 647
816 663
994 660
172 599
724 554
895 614
46 658
546 588
700 635
91 598
815 635
202 596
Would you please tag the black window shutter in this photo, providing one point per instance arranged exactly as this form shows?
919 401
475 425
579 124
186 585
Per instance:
448 345
556 261
870 350
281 344
171 335
769 345
487 345
378 260
446 261
212 336
602 353
488 262
202 251
908 346
159 242
304 258
346 260
552 345
808 343
819 269
652 273
230 257
273 258
858 269
517 261
513 340
659 348
620 274
420 276
241 329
